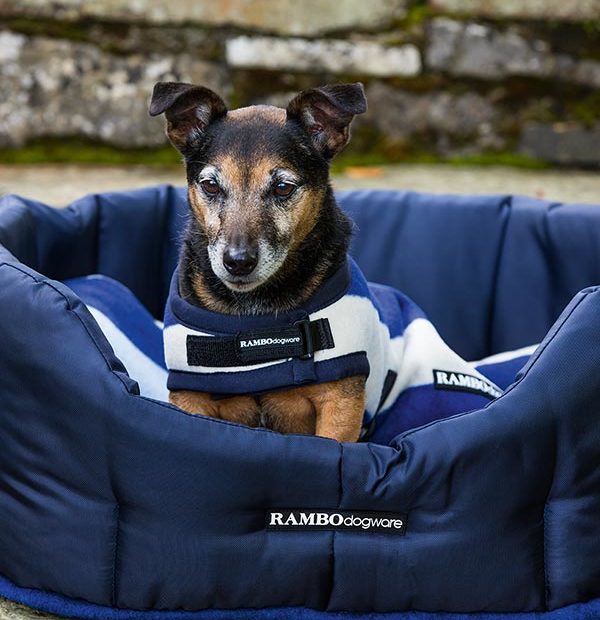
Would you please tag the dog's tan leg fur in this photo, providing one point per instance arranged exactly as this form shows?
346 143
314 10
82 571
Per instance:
240 409
341 408
333 409
291 411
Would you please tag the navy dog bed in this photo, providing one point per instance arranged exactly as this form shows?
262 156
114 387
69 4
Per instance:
113 505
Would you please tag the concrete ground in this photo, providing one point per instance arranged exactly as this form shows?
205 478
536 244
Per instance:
57 185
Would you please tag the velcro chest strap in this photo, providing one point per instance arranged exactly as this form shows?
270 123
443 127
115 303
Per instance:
299 340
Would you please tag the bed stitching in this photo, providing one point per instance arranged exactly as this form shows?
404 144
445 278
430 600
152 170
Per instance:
333 533
506 204
97 231
549 256
170 208
544 556
113 595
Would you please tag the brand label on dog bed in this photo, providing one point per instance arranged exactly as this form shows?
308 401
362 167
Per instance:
461 382
320 519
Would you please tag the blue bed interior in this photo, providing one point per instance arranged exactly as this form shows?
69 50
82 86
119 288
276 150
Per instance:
110 502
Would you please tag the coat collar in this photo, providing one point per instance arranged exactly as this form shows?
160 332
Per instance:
201 319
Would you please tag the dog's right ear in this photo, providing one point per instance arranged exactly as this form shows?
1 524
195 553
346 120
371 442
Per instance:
189 110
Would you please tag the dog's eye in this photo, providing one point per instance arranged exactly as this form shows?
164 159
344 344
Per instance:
210 186
283 189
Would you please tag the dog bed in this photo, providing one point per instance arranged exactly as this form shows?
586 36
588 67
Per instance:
117 505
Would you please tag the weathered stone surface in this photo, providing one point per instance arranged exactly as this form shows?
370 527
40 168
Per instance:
14 611
562 143
570 10
291 17
474 50
59 88
335 56
400 115
91 71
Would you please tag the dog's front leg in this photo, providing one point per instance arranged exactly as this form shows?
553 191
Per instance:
340 409
334 410
240 409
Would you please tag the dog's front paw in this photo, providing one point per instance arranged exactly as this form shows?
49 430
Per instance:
241 409
334 410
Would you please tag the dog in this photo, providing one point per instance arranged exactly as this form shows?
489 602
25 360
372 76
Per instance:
265 231
269 323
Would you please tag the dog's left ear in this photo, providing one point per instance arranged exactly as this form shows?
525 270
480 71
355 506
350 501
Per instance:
326 114
189 110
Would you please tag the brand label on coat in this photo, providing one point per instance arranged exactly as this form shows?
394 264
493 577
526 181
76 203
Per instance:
461 382
319 519
268 342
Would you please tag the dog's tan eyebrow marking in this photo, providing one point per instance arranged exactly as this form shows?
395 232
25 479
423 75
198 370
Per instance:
209 172
283 174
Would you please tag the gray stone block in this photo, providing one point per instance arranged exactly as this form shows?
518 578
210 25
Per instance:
289 17
335 56
562 143
60 88
569 10
475 50
400 115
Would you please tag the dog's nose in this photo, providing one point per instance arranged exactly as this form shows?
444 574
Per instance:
240 261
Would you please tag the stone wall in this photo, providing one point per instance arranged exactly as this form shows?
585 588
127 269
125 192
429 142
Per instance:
444 78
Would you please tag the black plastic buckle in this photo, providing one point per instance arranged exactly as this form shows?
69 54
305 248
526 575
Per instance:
309 346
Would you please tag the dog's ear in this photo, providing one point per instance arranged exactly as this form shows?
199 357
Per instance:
189 110
326 114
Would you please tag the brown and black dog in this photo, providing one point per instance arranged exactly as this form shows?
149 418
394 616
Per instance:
265 231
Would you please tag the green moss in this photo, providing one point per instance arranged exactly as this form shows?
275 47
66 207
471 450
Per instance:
416 15
73 31
587 109
83 152
591 27
116 37
507 158
369 150
580 40
369 147
504 158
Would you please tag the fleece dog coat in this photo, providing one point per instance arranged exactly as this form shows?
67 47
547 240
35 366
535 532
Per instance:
348 328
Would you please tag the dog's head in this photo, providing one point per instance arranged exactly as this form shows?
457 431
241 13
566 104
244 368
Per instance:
257 175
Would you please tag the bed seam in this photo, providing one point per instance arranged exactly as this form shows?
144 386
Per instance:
507 203
113 593
545 557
